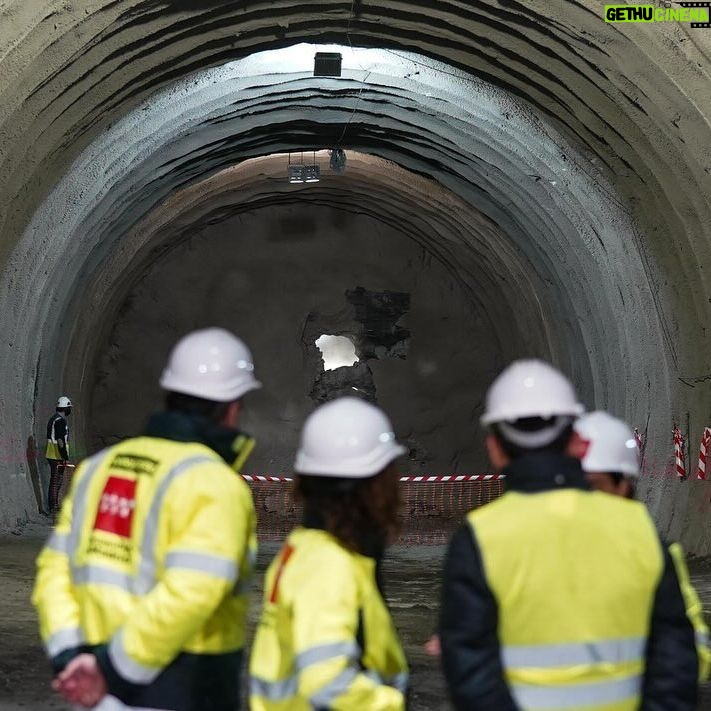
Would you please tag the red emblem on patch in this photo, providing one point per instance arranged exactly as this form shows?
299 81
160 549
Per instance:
116 507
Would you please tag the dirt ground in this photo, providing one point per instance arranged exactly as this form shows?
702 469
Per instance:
412 589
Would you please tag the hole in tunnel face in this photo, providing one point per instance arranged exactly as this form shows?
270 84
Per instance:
336 351
374 319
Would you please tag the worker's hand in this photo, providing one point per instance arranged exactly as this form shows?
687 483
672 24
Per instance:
81 682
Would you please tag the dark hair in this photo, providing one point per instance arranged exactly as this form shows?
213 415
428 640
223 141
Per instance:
65 410
191 405
532 424
618 478
360 513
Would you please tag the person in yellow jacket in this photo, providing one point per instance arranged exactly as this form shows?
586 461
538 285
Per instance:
610 459
555 596
325 639
140 589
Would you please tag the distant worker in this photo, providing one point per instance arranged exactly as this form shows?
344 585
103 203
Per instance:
554 596
325 639
57 450
610 459
141 589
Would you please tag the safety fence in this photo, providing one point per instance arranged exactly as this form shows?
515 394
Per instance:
432 505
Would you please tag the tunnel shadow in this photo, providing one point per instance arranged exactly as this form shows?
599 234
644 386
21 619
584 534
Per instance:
34 473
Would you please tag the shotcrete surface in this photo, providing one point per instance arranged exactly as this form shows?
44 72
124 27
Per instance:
412 591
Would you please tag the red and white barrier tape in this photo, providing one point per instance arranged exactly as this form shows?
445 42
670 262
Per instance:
260 477
424 479
679 453
453 478
703 452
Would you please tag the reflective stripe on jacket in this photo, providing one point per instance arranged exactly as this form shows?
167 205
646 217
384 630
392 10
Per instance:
325 638
151 554
574 597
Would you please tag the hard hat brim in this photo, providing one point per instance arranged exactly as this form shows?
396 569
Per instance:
225 393
514 414
360 468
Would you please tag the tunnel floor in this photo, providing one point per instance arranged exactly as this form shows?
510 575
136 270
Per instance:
412 589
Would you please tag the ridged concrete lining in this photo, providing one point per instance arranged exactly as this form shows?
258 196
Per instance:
506 186
478 142
625 301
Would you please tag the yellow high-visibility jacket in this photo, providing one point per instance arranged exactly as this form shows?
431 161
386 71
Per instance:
151 554
577 659
325 638
564 599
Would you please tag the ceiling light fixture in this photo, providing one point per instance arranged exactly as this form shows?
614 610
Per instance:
312 173
300 173
296 174
327 64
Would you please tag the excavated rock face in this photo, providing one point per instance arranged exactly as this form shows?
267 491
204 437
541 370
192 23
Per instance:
335 273
553 174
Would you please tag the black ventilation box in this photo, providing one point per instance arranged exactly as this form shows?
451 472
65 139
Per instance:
327 64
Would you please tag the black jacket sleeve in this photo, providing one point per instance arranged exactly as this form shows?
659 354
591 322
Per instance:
469 631
60 433
116 685
63 658
670 680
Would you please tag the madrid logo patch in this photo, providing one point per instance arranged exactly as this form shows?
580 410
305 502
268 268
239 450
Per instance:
118 502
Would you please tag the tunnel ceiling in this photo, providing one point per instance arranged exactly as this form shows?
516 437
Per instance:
582 147
474 139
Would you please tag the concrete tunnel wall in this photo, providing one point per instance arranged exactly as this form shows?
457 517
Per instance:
238 84
614 115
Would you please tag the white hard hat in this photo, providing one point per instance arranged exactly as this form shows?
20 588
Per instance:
212 364
346 437
612 447
64 401
530 388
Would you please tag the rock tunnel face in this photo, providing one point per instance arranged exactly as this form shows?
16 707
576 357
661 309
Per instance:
520 180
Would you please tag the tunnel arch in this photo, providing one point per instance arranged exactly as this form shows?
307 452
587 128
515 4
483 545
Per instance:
571 69
190 130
